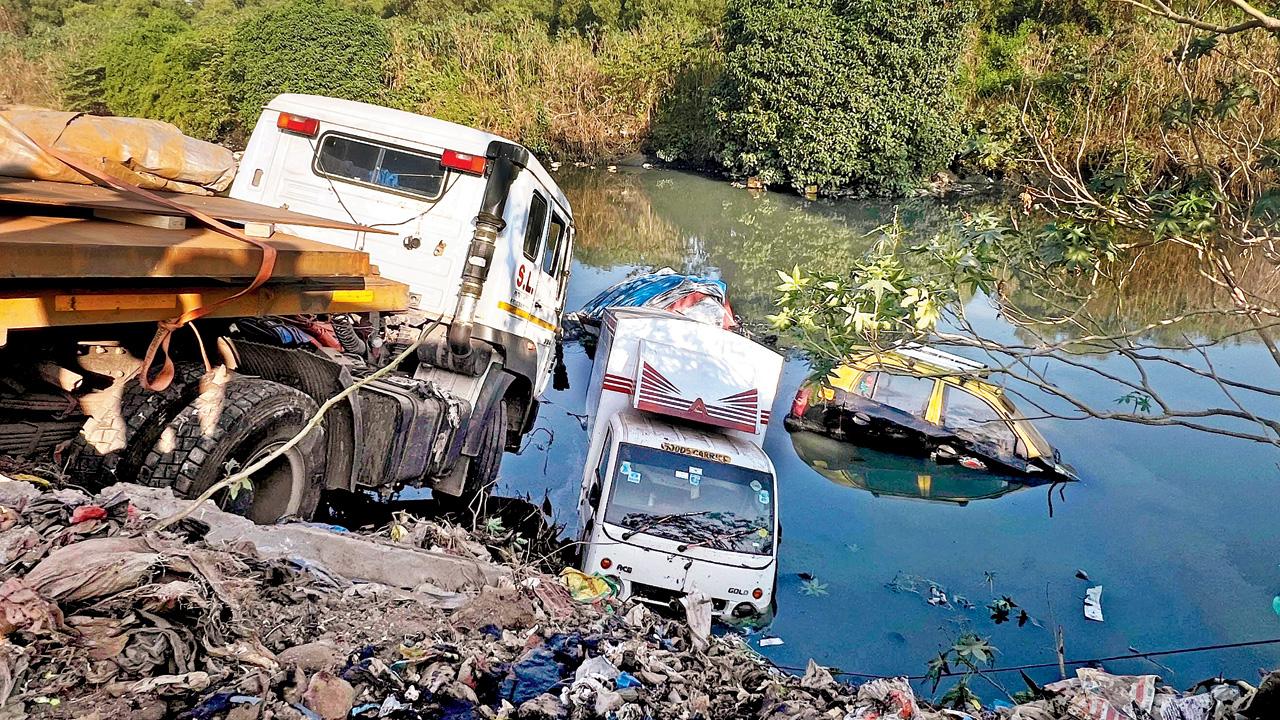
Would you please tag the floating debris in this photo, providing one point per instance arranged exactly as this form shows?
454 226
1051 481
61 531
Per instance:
1093 603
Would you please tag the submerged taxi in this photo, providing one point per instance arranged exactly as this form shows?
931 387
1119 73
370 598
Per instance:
922 401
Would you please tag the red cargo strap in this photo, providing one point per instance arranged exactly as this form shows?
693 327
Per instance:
164 330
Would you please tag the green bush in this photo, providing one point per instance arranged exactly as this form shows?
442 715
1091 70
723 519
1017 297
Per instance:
305 46
841 94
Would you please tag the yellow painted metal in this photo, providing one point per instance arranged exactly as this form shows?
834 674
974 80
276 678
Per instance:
51 308
847 376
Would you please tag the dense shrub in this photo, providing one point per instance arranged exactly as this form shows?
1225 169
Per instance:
305 46
841 93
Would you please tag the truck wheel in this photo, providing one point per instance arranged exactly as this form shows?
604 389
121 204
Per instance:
113 445
232 426
482 472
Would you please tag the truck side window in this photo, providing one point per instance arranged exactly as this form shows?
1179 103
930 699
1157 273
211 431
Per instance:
907 393
551 256
535 226
368 163
973 419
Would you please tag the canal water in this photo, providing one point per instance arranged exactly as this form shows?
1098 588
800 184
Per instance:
1182 529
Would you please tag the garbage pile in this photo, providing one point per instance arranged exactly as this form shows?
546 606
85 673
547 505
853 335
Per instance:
219 619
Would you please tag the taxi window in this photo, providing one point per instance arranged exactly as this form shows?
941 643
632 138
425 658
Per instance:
907 393
973 419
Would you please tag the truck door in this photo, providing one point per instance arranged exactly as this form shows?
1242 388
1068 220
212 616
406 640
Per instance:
548 295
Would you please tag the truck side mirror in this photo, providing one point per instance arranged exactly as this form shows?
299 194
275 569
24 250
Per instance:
593 495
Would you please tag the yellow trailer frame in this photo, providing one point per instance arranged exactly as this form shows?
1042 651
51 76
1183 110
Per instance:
49 308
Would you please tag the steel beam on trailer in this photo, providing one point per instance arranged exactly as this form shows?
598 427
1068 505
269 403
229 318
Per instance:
94 197
74 249
60 308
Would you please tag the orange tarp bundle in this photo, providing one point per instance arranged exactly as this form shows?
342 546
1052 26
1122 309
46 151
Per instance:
148 153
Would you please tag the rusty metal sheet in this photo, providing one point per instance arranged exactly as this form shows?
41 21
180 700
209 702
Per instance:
52 248
94 197
61 308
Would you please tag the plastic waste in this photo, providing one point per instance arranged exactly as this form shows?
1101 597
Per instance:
627 680
771 642
598 666
697 608
1093 603
587 588
1096 695
1275 604
1196 707
534 674
84 513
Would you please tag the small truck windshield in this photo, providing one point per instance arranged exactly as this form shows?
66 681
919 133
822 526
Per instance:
698 502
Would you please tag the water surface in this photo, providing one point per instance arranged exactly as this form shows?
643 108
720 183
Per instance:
1179 527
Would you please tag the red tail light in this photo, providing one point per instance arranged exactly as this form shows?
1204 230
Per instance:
801 403
298 124
463 162
757 593
606 563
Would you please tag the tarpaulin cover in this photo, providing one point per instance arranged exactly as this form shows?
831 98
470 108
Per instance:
704 299
148 153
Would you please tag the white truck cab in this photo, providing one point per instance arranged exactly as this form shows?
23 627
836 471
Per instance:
677 493
431 183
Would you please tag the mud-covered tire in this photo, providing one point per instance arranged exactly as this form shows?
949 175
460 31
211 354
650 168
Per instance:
113 445
482 472
230 426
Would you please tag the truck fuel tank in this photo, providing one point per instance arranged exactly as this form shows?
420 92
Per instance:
409 426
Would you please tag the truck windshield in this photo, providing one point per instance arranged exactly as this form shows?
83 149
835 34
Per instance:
696 501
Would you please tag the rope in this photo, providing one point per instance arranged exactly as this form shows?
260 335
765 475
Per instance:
1040 666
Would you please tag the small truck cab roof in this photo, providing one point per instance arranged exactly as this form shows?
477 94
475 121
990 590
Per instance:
677 494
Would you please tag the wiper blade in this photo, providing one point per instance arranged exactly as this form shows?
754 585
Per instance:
719 538
659 521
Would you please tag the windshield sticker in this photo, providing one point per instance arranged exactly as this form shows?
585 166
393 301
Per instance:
764 497
695 470
633 477
756 486
626 468
694 480
682 475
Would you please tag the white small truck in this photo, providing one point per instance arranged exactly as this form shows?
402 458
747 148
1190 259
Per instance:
677 494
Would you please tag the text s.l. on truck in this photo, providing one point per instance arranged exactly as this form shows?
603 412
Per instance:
470 222
677 494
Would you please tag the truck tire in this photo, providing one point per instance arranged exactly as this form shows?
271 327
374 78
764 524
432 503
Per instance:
232 426
113 445
482 472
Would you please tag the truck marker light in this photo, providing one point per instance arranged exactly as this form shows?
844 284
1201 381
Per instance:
606 563
298 124
757 593
463 162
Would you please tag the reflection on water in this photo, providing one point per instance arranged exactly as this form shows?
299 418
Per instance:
891 475
1179 526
